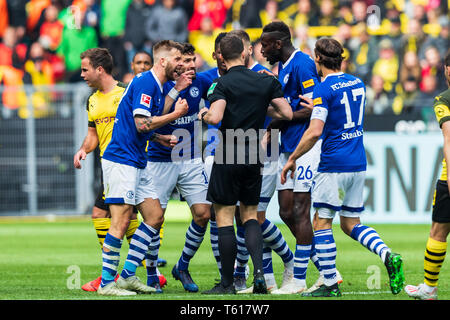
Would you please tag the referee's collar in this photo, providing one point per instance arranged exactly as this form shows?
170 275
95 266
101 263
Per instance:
237 67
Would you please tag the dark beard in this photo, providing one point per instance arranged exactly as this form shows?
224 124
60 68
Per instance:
170 72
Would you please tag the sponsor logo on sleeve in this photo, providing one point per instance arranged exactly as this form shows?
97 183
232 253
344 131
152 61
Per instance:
317 101
308 83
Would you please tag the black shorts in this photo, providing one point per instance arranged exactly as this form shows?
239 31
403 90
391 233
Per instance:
230 183
441 203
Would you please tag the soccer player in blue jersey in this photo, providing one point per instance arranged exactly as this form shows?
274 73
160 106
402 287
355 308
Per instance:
338 112
126 183
273 239
298 76
182 167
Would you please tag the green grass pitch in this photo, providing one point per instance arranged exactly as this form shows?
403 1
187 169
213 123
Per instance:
49 260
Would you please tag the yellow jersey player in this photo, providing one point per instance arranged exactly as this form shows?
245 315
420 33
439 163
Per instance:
96 69
437 242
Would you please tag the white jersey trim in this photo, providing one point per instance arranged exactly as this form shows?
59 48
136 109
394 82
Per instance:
284 65
141 112
333 74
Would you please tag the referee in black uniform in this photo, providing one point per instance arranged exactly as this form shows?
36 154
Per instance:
240 101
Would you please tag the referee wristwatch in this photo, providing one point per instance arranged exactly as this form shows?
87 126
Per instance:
203 114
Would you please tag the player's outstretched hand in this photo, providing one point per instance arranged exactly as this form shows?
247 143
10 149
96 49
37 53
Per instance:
307 102
80 155
289 166
181 107
184 80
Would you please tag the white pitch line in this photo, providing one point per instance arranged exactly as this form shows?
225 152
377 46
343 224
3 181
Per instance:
366 292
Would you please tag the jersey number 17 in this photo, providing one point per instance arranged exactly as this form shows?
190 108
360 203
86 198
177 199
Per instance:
348 112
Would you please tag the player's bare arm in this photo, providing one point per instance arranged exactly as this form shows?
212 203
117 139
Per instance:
215 113
146 124
309 139
167 140
89 144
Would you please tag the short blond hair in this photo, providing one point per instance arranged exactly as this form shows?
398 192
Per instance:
162 48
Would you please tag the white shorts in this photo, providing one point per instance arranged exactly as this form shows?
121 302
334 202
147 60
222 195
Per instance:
188 177
306 167
126 184
269 184
338 192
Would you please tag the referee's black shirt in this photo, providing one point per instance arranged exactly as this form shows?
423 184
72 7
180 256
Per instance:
247 95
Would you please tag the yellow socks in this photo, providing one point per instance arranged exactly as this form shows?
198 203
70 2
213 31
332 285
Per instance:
434 257
101 226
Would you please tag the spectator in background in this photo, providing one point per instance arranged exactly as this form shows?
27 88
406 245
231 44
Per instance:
395 34
17 16
51 29
432 65
112 29
76 39
406 102
429 90
303 41
12 57
35 17
215 9
364 53
345 12
304 15
167 22
244 14
327 14
387 65
414 37
441 41
378 101
359 11
135 38
271 13
4 17
38 71
420 14
92 15
204 41
12 53
410 66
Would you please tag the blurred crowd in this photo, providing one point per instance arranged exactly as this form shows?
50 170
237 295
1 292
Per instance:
396 46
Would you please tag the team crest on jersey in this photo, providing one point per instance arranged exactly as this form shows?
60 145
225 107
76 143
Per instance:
130 194
194 92
145 100
286 78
